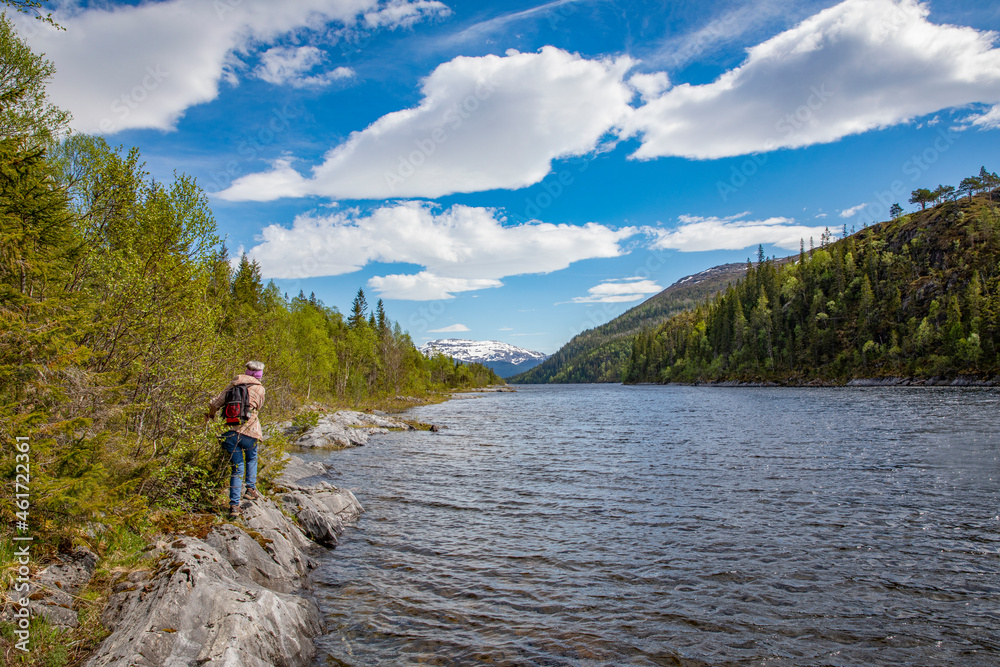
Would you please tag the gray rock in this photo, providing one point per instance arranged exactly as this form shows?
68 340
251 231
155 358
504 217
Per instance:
249 558
195 609
283 541
320 507
54 589
347 428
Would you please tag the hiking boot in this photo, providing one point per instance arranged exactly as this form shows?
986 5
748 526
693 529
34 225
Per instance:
252 494
235 512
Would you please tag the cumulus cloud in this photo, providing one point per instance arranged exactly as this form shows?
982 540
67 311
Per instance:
187 47
484 123
851 212
857 66
454 328
731 233
460 249
291 66
619 291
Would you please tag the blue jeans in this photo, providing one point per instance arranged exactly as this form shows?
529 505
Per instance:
236 445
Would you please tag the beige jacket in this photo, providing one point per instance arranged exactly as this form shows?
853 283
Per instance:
256 391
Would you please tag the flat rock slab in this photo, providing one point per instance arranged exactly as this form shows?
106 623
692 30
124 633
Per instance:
348 428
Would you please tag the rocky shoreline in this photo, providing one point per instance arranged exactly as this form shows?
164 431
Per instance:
239 596
236 594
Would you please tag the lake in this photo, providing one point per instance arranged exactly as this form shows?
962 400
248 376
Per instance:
649 525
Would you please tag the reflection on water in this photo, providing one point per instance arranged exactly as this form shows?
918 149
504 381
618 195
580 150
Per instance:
611 525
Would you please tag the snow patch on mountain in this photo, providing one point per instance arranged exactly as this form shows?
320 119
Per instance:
482 351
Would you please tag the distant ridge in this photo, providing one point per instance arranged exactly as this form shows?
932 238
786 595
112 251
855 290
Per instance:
503 358
600 354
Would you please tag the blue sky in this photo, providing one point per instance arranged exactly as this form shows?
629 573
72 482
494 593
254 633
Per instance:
522 171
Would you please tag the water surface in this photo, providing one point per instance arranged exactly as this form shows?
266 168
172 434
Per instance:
612 525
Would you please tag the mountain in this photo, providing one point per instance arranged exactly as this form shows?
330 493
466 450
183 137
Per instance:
601 354
505 359
913 300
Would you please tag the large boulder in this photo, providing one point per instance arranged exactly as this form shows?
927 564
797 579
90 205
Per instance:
196 609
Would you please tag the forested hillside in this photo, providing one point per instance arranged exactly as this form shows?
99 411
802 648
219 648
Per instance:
917 296
602 353
121 315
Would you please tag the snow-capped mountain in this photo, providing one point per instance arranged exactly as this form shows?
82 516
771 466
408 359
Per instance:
505 359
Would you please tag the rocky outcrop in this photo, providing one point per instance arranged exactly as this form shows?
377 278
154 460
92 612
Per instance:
321 508
235 598
347 428
196 609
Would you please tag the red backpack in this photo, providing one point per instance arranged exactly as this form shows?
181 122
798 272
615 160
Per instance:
237 408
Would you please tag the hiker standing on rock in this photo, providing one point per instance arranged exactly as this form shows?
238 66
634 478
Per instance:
240 401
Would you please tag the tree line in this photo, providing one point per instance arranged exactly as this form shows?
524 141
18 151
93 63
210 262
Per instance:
915 296
121 314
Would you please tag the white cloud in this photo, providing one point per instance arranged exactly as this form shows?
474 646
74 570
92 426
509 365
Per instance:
731 233
289 66
405 13
425 286
484 123
461 249
989 120
454 328
857 66
142 66
619 291
851 212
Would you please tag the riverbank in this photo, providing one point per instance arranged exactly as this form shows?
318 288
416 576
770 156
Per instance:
235 593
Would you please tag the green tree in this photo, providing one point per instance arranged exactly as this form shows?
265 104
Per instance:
970 185
25 109
921 196
359 311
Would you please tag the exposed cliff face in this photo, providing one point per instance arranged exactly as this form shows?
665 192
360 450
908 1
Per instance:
235 598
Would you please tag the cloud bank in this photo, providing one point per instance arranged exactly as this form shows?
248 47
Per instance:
460 249
499 122
484 123
188 47
696 234
858 66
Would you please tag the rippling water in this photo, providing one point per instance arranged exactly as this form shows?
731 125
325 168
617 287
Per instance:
612 525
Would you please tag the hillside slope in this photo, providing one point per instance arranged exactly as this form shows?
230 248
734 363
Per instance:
600 354
916 297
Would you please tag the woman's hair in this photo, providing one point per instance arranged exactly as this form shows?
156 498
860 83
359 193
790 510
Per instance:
255 366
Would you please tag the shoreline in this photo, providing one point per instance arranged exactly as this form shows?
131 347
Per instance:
236 593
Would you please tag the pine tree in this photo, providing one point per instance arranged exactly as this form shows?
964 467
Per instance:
359 309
